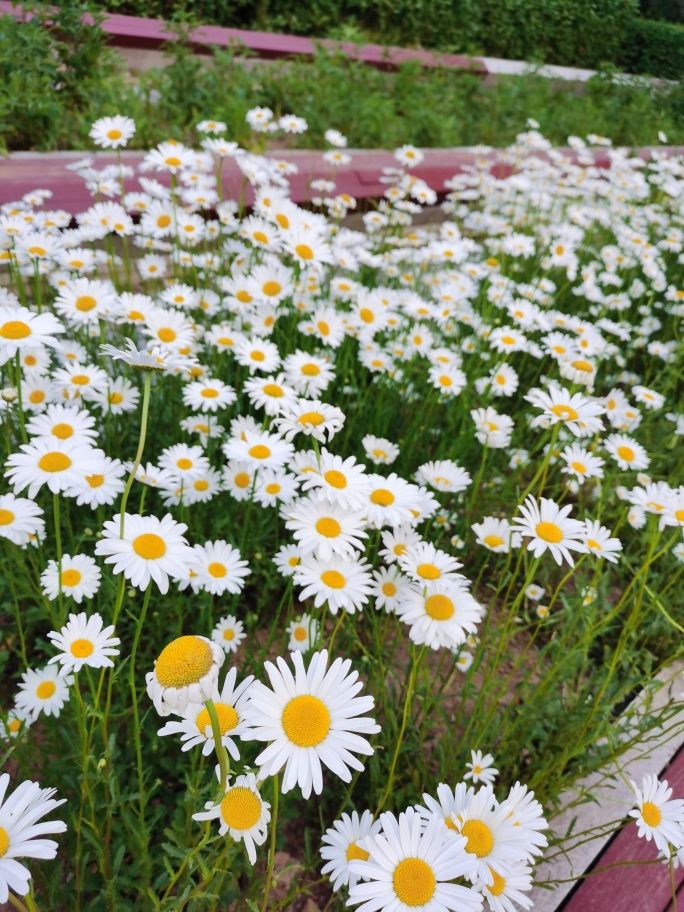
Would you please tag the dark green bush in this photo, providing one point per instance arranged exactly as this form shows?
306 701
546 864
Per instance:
656 48
672 10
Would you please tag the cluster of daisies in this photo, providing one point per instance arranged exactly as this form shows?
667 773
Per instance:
253 328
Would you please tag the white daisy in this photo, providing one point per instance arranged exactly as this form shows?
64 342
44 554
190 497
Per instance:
311 718
77 577
84 641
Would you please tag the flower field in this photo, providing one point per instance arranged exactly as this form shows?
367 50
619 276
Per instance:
333 557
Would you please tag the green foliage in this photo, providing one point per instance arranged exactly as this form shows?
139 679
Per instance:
654 47
373 108
583 33
51 77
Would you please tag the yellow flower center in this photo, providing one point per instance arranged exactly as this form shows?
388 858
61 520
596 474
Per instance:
227 718
95 481
71 577
479 836
498 884
328 527
578 467
414 882
428 571
36 396
240 808
439 607
229 634
84 303
62 431
304 251
184 463
114 134
272 389
80 379
389 589
209 393
81 649
335 479
306 720
593 544
54 462
564 412
312 418
186 660
626 453
172 161
333 579
356 853
4 841
242 480
218 571
163 221
323 328
6 517
651 814
493 541
37 251
271 288
15 329
260 237
45 690
13 726
549 532
310 370
149 546
382 497
585 366
259 451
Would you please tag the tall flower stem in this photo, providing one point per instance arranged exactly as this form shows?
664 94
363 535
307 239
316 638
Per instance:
272 843
20 400
221 753
147 386
410 687
136 716
58 544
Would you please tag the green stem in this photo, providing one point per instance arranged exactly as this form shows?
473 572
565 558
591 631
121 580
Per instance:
147 385
221 753
272 844
20 400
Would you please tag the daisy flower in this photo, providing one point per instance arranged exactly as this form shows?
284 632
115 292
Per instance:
21 328
448 803
242 813
527 815
495 535
287 559
480 768
549 527
220 568
580 463
14 724
491 428
86 301
658 817
339 582
228 634
77 577
626 452
310 719
577 412
424 563
598 541
100 486
63 422
259 450
390 588
21 519
493 841
389 501
208 395
311 417
342 843
440 614
303 632
43 691
379 450
507 891
21 835
411 866
149 549
186 671
112 132
84 641
308 374
275 486
397 541
272 394
59 464
155 358
444 475
325 529
338 481
194 726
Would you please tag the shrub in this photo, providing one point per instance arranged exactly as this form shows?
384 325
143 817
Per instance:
654 47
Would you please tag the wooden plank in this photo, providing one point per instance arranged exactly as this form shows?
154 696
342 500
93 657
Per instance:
135 31
642 888
22 172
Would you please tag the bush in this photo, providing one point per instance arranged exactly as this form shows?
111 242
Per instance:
656 48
